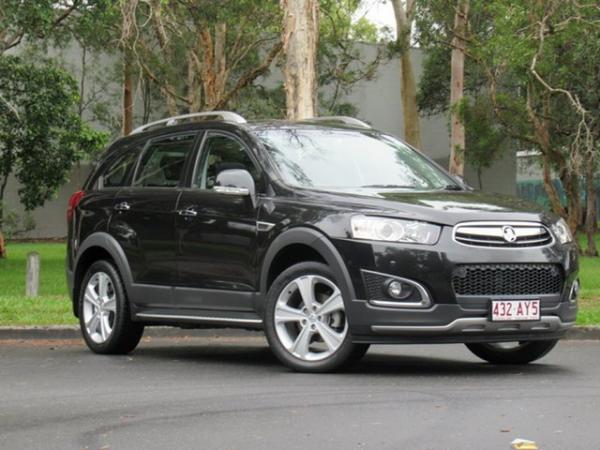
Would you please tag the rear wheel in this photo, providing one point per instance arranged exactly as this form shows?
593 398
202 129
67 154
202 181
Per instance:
305 320
104 315
522 352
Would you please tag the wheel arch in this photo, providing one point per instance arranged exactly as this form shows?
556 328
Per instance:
95 247
319 245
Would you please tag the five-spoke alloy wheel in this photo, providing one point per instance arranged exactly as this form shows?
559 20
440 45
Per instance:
104 315
305 320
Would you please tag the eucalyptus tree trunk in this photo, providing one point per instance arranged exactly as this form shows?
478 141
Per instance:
457 81
127 94
300 38
408 85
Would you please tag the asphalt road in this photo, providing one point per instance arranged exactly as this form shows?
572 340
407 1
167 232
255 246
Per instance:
231 393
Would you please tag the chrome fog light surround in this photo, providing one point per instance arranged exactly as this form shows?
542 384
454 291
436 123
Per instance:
398 289
574 292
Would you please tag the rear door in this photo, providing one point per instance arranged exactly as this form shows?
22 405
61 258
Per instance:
217 231
143 219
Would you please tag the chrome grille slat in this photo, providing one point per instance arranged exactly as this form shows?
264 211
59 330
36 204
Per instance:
492 234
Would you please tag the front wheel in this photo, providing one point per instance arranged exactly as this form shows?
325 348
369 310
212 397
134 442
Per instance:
512 352
305 320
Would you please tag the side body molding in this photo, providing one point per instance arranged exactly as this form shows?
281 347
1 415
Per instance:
318 242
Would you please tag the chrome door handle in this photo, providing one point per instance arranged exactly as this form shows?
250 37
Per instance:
123 206
188 212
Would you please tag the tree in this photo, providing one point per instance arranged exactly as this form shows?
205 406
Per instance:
404 13
202 54
300 38
457 81
41 133
521 57
21 122
20 20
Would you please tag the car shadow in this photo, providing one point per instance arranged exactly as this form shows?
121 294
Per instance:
259 357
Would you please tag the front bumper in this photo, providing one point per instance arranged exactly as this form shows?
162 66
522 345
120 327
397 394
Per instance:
451 318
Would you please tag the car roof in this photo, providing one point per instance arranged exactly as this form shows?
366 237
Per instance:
252 126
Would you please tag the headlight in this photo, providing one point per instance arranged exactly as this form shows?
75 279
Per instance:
562 232
394 230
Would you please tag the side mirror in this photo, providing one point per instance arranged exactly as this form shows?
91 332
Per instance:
235 182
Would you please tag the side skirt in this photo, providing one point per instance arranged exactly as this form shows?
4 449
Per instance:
199 318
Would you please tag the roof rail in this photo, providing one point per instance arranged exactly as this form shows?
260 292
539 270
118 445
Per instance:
169 121
341 119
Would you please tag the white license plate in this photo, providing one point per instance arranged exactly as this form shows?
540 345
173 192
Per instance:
504 310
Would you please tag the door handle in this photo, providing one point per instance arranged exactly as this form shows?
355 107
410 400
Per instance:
123 206
188 212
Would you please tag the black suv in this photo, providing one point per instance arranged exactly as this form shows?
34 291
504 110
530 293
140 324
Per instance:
328 235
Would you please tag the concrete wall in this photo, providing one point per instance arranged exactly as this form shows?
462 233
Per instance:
51 219
377 100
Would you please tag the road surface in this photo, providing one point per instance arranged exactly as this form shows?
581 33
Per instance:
231 393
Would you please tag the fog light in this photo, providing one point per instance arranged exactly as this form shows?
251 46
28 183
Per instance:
574 291
395 289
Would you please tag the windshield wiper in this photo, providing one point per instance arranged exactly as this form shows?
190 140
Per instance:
387 186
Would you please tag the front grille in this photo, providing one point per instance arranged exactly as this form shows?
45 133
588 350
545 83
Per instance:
502 234
507 279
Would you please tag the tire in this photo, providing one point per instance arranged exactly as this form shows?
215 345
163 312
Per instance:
295 327
105 319
521 353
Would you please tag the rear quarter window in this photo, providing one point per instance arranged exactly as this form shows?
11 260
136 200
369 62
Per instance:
117 171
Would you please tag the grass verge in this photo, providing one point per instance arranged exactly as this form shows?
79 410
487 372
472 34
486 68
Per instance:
53 306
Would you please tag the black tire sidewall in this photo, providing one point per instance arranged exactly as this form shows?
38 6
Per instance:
125 334
528 352
343 354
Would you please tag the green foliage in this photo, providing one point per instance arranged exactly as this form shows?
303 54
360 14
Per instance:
344 43
486 139
41 134
15 225
39 20
502 41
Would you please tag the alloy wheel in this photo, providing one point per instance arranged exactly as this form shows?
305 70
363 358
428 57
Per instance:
99 307
310 320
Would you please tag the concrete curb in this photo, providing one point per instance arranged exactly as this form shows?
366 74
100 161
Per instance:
72 332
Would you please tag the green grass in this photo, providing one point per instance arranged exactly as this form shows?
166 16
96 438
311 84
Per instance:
53 306
589 272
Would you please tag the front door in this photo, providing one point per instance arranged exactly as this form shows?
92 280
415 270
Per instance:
217 232
143 220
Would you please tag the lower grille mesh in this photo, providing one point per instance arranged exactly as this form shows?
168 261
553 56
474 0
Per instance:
507 279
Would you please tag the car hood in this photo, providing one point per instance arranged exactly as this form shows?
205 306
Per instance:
444 207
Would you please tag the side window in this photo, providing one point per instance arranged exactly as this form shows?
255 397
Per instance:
221 153
163 161
117 172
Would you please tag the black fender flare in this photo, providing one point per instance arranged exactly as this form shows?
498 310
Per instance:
318 242
108 243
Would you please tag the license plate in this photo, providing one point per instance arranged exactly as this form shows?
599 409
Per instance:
506 310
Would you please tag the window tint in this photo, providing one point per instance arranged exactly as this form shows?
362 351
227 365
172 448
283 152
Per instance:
163 161
117 172
222 153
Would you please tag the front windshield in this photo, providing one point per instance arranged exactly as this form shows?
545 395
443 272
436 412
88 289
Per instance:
340 158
